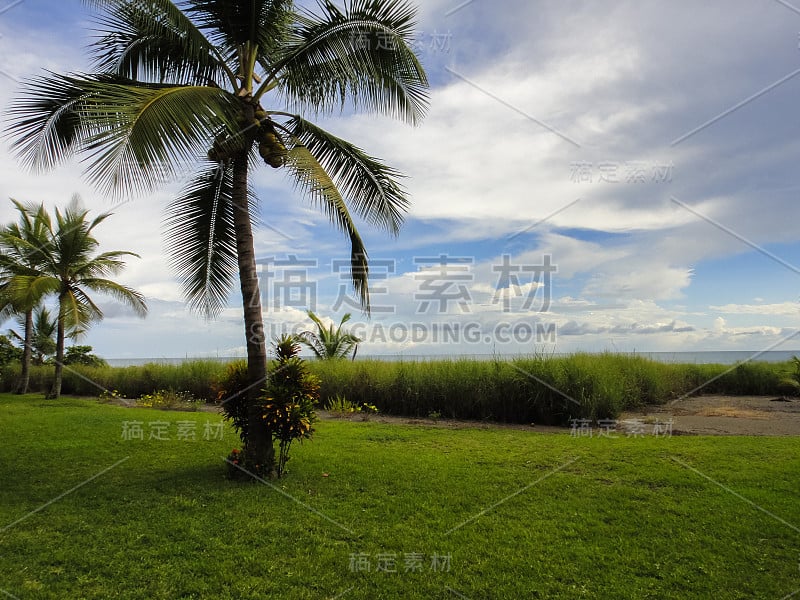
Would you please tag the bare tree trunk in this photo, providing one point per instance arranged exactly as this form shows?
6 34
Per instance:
25 376
56 391
259 444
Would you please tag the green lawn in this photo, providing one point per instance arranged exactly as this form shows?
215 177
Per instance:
405 512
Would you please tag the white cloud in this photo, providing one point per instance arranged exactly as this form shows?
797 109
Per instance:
782 308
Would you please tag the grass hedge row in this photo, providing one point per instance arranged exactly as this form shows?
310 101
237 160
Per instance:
524 390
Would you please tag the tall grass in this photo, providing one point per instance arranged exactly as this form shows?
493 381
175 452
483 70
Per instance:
544 390
196 377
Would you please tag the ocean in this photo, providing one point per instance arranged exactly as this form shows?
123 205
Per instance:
728 357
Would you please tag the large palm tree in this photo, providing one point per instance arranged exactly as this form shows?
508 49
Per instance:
224 83
23 246
70 270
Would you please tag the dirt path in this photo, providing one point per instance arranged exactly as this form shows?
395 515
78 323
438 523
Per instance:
725 415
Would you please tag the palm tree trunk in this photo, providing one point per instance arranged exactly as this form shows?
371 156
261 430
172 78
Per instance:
56 391
25 376
259 442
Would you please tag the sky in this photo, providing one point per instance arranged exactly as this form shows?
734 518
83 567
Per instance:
616 176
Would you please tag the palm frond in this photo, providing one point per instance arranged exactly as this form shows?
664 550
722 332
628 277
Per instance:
310 176
362 54
32 288
201 239
46 127
102 265
44 330
43 321
154 41
313 343
370 186
327 342
77 309
34 230
317 321
7 307
232 25
73 243
20 255
121 293
137 134
316 341
146 134
275 20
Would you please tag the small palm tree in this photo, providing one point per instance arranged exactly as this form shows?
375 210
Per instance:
43 338
23 246
329 343
224 84
70 270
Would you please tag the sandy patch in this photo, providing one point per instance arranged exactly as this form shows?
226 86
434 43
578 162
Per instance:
727 415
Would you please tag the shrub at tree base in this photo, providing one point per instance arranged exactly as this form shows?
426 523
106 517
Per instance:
230 392
287 408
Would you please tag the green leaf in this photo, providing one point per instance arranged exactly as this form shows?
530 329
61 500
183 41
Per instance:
119 292
310 176
46 128
201 239
327 342
137 135
369 185
145 135
154 41
231 25
362 54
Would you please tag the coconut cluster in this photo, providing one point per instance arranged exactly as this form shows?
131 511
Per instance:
225 147
261 129
270 146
